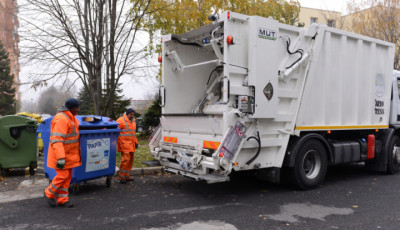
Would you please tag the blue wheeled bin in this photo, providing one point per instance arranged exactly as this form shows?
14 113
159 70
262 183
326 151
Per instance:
98 142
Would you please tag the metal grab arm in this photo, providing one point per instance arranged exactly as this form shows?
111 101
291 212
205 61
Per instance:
286 73
179 66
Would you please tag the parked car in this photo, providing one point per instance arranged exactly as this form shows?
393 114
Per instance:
140 126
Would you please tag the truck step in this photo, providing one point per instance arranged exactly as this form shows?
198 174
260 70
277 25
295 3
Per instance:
283 118
285 93
209 178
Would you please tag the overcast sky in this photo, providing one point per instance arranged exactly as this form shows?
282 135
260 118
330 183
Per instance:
139 90
335 5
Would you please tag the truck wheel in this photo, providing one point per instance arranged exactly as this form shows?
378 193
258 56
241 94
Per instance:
310 165
393 165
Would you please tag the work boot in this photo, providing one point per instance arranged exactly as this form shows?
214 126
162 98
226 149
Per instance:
122 181
67 204
50 202
130 179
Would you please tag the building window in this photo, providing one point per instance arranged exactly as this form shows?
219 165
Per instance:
313 20
332 23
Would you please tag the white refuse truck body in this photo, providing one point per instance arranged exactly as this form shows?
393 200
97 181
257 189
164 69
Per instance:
250 93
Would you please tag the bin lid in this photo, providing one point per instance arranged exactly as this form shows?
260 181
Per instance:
45 125
93 121
16 121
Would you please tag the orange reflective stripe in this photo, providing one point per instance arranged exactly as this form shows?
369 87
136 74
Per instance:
211 144
171 139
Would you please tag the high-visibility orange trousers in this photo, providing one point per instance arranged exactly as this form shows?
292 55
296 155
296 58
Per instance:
58 187
126 165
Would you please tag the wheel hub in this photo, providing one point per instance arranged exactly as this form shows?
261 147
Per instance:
311 164
396 154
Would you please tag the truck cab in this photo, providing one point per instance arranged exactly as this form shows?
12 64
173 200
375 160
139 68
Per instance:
395 103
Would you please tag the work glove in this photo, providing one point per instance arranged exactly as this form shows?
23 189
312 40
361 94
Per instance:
136 146
60 163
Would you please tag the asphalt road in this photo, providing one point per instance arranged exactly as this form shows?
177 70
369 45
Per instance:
350 198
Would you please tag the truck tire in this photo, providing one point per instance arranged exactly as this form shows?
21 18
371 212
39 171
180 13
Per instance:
310 165
393 165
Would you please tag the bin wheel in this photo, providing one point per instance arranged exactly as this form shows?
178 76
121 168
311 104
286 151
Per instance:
3 172
31 171
108 181
75 189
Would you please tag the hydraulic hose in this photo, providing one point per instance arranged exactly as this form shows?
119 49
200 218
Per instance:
299 51
175 38
259 148
216 68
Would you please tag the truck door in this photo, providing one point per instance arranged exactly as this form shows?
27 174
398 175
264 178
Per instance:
395 105
397 95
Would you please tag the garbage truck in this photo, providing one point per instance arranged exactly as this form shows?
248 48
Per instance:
250 93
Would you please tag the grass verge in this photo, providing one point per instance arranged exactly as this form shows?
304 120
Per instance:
141 154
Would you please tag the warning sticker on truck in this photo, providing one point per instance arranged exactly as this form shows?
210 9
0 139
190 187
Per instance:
379 85
267 34
379 92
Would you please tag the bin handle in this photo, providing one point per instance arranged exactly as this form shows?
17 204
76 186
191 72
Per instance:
6 138
161 94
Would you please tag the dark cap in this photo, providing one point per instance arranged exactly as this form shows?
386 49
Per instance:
128 111
71 103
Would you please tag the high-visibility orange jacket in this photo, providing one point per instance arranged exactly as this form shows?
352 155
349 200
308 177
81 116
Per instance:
127 138
64 140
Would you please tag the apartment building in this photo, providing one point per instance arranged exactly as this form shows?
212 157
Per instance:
9 37
309 16
141 106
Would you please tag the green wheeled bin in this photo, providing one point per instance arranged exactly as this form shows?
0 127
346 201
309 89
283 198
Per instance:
18 144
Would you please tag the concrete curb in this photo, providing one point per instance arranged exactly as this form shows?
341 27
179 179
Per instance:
147 171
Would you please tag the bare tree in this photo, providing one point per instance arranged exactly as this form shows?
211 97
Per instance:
91 41
379 19
50 99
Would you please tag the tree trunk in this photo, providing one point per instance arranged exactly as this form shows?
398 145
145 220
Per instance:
112 85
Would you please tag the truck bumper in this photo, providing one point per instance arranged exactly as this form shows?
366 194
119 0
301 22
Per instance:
190 163
209 178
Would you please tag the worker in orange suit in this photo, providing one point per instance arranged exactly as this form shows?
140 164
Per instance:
127 144
64 153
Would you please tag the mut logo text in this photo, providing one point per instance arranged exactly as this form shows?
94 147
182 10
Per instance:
267 34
